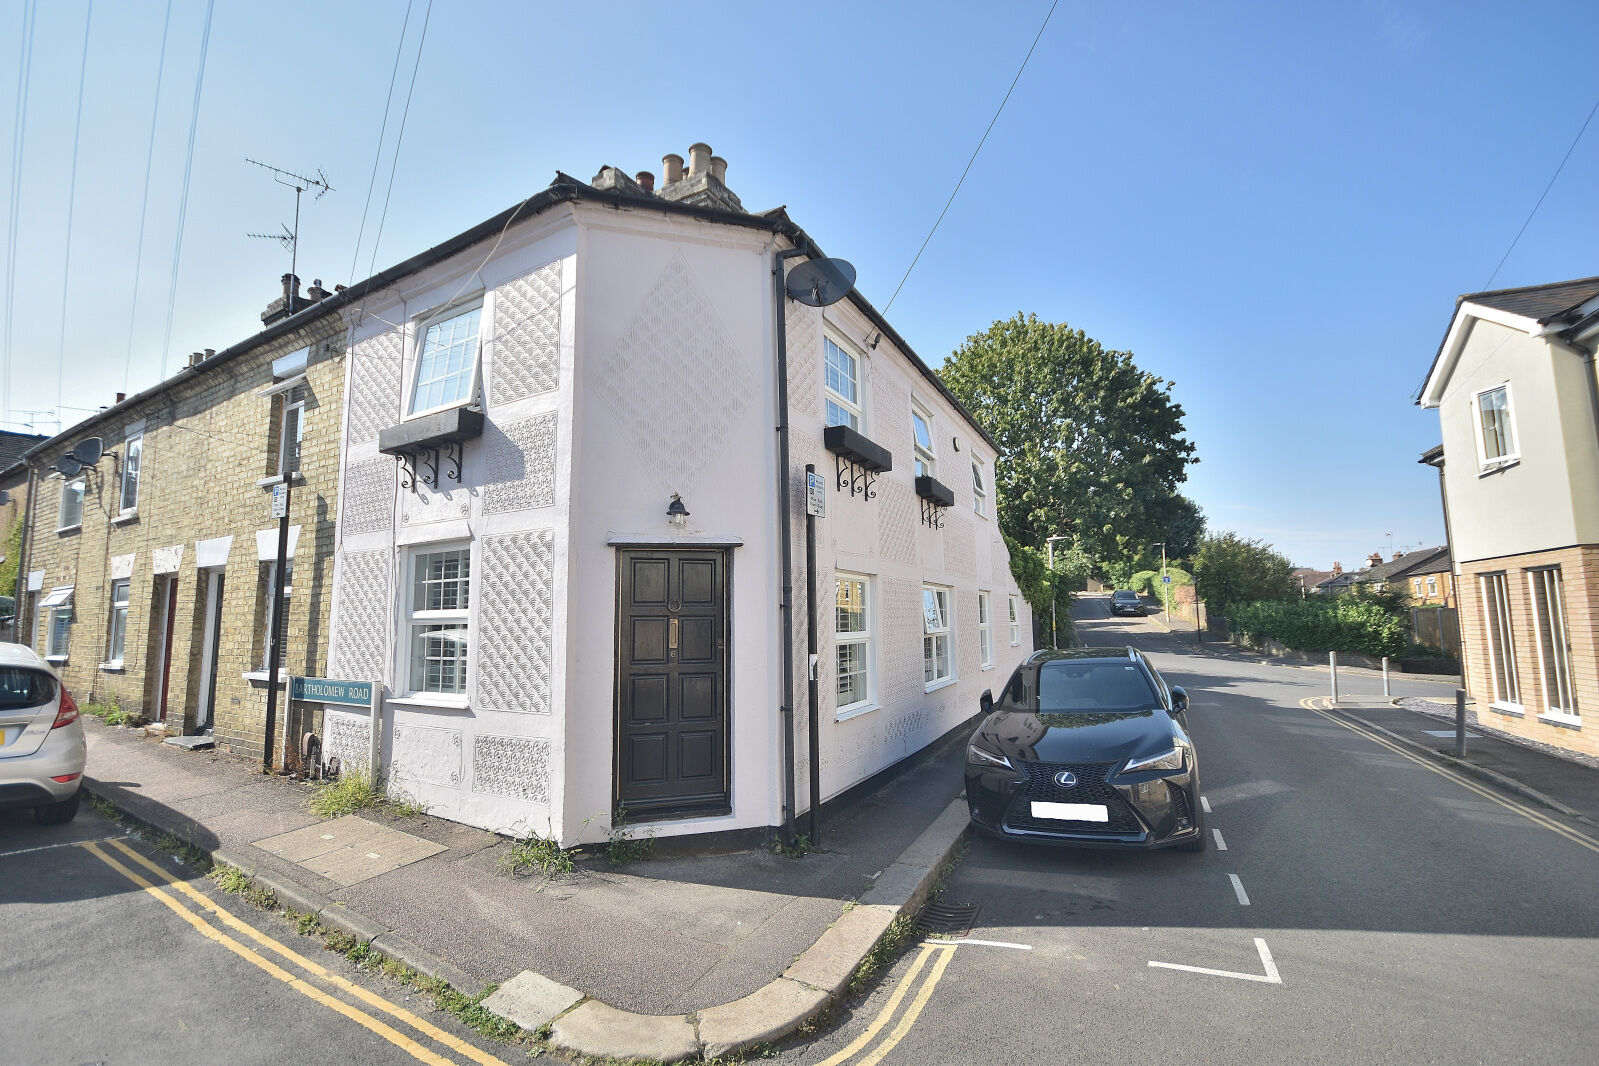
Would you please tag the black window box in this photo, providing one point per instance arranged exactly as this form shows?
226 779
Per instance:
935 491
431 431
857 448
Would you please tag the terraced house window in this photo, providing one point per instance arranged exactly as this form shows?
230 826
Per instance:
852 627
1501 644
1015 624
979 489
132 459
938 659
985 629
70 515
119 621
922 431
440 598
1554 645
291 430
1495 426
446 366
843 386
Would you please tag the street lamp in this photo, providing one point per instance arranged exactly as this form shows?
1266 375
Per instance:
1049 544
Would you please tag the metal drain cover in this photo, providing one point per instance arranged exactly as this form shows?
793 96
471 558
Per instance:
947 919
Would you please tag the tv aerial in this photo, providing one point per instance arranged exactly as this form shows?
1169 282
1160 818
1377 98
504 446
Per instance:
821 282
300 183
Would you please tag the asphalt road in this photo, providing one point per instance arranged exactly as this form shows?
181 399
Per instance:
95 969
1392 915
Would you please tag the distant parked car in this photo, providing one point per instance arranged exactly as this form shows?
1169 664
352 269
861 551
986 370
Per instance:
1126 601
1088 747
42 753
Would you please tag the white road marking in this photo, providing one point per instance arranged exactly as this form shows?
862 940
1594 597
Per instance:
47 847
1204 801
1238 889
979 943
1271 977
1221 845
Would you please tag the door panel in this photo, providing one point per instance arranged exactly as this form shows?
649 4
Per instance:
672 713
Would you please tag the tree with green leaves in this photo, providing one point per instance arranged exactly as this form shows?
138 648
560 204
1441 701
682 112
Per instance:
1229 569
1093 446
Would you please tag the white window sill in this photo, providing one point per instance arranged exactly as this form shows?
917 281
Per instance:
125 517
112 667
69 529
856 711
432 701
56 660
259 677
943 682
277 479
1015 643
988 666
1561 718
1514 710
1499 464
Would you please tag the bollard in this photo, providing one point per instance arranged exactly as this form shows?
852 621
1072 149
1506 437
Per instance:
1385 691
1332 666
1460 723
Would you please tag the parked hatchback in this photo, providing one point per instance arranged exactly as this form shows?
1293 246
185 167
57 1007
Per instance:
41 739
1126 601
1089 747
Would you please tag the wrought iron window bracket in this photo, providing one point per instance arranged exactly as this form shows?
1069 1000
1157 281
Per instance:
855 476
432 447
932 514
857 460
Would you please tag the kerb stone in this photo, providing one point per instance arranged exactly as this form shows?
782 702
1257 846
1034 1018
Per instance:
531 1000
768 1013
607 1033
828 964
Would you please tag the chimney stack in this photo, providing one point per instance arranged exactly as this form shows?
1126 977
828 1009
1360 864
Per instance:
121 396
1397 556
719 169
671 168
699 159
1374 559
646 181
1338 568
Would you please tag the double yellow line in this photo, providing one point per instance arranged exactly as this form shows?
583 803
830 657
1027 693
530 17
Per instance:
370 1021
886 1015
1580 839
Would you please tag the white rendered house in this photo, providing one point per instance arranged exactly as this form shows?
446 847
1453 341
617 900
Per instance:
526 402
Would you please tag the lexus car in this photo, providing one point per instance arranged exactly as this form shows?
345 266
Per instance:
1086 747
1126 601
41 739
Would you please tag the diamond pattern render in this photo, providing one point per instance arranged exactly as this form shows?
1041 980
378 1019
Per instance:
346 735
375 386
803 336
675 367
515 612
361 631
527 336
960 548
969 648
521 465
897 518
901 655
369 487
517 767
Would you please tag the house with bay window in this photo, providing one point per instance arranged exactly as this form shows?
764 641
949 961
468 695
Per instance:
1514 387
571 526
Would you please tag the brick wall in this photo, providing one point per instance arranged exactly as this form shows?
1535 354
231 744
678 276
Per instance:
208 438
1579 568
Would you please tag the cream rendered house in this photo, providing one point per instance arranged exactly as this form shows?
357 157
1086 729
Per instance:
560 544
1514 387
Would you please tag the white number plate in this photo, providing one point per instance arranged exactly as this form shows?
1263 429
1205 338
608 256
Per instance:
1072 812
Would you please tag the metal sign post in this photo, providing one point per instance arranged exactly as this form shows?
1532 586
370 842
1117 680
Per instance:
280 511
815 507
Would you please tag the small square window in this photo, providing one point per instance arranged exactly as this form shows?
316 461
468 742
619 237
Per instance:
446 365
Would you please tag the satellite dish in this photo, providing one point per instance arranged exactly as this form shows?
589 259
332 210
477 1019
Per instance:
88 450
69 465
820 282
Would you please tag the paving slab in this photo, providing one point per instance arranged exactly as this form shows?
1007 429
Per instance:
607 1033
532 1000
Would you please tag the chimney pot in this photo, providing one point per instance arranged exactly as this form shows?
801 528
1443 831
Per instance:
699 159
316 292
671 168
646 180
1396 557
209 352
1338 568
121 396
719 169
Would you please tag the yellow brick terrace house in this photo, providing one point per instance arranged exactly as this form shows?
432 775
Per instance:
147 568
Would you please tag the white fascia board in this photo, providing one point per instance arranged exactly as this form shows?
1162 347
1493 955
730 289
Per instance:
1432 391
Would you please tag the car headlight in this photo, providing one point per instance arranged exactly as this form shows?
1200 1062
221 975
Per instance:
986 758
1167 760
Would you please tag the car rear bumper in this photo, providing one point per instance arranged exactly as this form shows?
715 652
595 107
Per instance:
28 780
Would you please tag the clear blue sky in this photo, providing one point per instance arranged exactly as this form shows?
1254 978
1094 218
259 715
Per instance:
1273 207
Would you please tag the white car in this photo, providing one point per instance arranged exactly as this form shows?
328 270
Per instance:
41 739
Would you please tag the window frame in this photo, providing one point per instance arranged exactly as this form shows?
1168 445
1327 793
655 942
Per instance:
1415 586
1432 584
269 569
865 639
831 397
132 462
116 638
412 619
924 461
985 628
1512 454
979 489
1500 639
474 376
943 597
1556 675
59 626
1015 622
286 403
82 484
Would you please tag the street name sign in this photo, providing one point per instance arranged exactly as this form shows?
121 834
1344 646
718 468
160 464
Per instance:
327 690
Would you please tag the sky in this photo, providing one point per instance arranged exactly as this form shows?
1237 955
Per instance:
1271 205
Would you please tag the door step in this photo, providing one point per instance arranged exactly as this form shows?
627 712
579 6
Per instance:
199 743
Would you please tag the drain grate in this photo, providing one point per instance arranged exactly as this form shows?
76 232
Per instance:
947 919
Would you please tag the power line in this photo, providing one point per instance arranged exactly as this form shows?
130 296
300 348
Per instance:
183 199
18 141
400 136
144 197
1546 189
973 159
72 199
383 129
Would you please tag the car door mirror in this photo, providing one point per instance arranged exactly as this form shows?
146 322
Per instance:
1179 698
986 701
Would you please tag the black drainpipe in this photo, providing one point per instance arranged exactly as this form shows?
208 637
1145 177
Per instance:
784 519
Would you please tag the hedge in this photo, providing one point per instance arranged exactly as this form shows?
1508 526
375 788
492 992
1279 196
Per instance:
1339 623
1147 582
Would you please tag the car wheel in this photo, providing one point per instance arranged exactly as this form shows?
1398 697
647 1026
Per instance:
58 813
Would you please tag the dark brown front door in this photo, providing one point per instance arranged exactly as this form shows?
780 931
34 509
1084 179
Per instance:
671 688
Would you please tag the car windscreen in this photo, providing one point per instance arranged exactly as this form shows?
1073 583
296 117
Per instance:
1125 596
21 687
1068 686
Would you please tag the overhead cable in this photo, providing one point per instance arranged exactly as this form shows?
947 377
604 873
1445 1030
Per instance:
72 199
1546 188
144 197
383 129
18 140
183 198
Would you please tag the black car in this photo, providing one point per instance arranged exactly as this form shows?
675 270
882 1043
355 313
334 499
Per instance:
1087 747
1126 601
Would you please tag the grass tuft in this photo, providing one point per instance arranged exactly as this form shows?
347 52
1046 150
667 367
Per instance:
357 789
621 846
894 940
534 852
